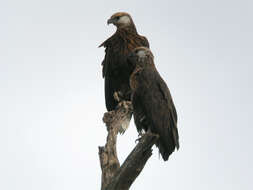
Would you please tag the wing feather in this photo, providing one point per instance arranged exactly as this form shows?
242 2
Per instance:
116 71
157 106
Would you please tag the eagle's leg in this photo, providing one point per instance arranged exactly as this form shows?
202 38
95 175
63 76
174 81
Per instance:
141 133
144 123
149 130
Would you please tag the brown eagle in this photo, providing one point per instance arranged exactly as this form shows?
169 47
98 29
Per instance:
154 110
116 71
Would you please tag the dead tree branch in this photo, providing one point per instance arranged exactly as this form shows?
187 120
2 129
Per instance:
115 177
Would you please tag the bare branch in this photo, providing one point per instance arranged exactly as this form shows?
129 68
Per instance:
108 154
115 177
134 163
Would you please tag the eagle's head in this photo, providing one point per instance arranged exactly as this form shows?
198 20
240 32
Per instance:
141 57
120 20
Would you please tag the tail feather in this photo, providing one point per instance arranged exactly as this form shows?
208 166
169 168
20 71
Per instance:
174 130
167 144
165 151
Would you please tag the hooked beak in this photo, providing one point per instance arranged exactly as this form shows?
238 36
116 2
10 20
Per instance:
110 21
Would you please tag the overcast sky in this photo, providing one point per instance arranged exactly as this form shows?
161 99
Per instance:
52 97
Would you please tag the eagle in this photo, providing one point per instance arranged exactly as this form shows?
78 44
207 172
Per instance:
153 107
116 71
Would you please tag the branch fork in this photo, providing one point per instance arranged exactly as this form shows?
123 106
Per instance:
114 176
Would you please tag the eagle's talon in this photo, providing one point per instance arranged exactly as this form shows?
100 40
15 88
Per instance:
138 140
140 135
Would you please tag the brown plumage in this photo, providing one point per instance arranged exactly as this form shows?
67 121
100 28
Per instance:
116 71
153 106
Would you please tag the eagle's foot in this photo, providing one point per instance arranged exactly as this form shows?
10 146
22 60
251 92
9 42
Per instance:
140 135
117 96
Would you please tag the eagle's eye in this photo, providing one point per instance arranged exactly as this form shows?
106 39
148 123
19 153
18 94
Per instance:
117 17
136 51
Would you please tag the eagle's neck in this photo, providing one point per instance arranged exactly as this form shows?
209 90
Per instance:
127 29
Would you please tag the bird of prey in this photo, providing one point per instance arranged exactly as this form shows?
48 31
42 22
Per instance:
154 110
116 71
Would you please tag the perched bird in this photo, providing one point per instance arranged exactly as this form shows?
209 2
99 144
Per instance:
116 71
154 110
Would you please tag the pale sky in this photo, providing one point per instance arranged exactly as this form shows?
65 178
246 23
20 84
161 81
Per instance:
52 94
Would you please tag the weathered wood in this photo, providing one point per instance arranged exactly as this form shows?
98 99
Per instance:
108 154
115 177
134 163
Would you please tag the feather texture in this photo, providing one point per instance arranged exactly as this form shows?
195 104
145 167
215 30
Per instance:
116 71
153 106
